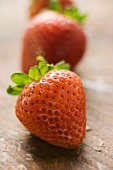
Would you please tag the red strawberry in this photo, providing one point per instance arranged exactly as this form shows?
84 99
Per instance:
53 107
38 5
66 3
54 36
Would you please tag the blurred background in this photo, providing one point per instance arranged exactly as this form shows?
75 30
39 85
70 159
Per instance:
98 27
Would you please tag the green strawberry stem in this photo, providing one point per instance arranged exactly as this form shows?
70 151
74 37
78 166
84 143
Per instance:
35 73
72 12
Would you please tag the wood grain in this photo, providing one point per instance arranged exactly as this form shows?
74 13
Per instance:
23 151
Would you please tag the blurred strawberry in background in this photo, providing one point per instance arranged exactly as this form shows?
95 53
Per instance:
37 5
66 3
55 34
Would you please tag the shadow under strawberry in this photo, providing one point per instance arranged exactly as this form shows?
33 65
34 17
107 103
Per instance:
49 157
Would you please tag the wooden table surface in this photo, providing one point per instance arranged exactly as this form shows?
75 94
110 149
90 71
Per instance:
20 150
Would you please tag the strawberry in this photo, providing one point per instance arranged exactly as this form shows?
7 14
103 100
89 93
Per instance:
52 104
66 3
54 36
37 5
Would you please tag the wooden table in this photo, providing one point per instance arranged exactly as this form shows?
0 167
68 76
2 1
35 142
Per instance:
20 150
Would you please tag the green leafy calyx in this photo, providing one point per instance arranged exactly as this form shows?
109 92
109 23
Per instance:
35 73
72 12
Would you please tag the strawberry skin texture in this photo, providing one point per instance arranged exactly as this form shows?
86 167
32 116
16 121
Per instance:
54 108
55 37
